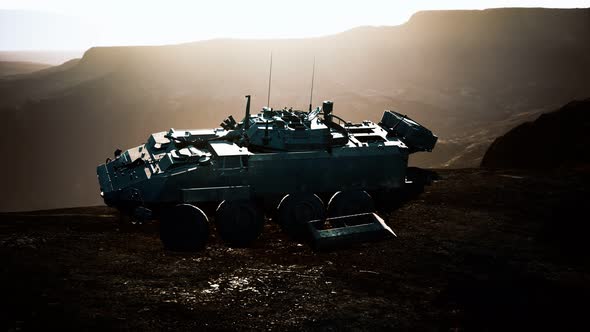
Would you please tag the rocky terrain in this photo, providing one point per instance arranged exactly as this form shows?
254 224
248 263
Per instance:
469 76
479 250
556 139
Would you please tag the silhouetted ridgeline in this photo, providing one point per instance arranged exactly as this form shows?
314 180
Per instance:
556 139
8 68
51 58
467 75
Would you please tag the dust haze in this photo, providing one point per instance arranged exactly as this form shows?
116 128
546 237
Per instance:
469 76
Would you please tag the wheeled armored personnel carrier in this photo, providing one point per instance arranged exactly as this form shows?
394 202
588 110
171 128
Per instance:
312 172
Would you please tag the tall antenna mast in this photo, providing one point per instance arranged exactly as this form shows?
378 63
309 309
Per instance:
269 81
312 78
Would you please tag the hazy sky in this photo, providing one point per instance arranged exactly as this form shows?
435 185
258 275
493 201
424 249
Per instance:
132 22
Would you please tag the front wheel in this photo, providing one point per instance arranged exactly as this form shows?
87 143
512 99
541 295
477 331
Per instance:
185 227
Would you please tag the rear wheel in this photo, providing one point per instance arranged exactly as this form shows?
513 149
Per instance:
239 223
184 227
344 203
296 210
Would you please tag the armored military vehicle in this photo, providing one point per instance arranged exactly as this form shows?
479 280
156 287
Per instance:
280 162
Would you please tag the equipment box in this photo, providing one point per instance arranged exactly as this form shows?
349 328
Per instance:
415 136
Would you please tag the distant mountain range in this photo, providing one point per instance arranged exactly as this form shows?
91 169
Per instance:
9 68
46 57
469 76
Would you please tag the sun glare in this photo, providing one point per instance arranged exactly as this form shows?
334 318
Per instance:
133 22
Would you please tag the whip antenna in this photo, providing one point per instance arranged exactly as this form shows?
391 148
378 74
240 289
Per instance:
269 81
312 78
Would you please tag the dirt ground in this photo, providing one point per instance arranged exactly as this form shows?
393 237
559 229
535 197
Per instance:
479 250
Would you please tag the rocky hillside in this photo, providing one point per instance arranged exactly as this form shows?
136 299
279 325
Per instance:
468 75
556 139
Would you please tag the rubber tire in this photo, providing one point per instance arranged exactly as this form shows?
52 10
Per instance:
239 223
184 227
344 203
295 210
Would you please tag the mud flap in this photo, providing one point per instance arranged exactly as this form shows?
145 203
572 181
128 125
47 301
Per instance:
358 228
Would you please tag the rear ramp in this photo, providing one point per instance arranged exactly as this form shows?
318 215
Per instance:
356 228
